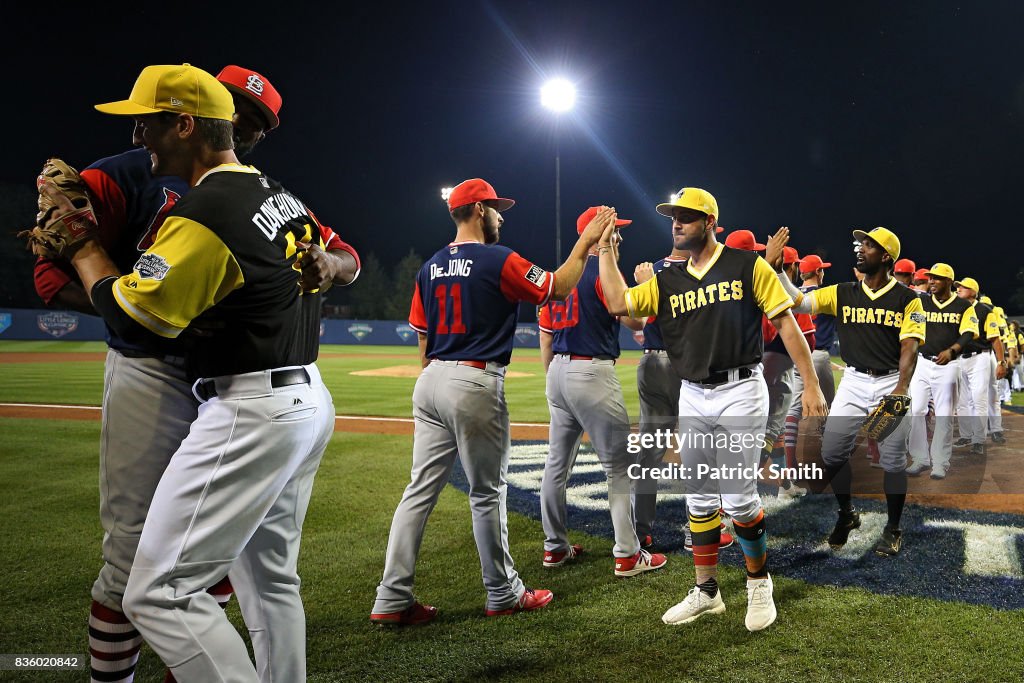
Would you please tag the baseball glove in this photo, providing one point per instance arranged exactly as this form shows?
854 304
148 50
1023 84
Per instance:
886 416
66 218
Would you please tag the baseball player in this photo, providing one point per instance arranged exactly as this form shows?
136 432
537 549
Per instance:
880 325
1018 367
812 274
1000 385
903 271
658 387
131 204
464 309
921 280
710 315
579 342
236 490
952 324
979 361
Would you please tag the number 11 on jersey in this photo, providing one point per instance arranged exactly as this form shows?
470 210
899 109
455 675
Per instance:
441 293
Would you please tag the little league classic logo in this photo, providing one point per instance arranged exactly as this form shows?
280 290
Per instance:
526 334
5 322
57 324
404 332
978 555
360 331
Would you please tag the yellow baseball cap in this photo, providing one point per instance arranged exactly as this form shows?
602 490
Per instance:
985 299
885 239
969 283
181 89
941 270
691 198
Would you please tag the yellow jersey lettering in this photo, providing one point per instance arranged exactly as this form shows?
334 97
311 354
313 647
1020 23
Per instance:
702 300
691 300
737 289
723 291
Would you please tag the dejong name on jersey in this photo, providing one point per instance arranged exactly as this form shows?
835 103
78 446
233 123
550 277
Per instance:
457 267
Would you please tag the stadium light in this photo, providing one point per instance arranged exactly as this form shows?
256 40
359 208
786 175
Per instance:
558 95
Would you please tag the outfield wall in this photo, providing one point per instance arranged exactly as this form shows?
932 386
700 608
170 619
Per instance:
41 325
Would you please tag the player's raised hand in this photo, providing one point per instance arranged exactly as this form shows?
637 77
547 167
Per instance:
643 272
773 253
600 228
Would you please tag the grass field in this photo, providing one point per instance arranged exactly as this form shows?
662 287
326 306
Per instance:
599 628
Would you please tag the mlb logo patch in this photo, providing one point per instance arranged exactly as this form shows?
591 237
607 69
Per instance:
918 317
536 275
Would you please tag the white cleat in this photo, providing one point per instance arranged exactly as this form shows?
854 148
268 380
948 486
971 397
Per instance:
696 603
792 491
761 612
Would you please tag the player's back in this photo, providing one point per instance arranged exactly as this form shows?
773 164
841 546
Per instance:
581 324
469 293
258 324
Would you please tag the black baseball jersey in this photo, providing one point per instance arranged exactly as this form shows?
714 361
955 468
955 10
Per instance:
711 318
988 328
225 259
946 322
871 324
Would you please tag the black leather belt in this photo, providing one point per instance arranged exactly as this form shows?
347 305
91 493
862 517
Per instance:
723 377
969 354
207 388
931 358
877 373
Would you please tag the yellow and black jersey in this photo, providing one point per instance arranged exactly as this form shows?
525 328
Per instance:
224 259
711 318
871 324
988 327
947 322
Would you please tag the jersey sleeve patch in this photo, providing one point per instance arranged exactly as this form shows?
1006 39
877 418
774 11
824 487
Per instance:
523 281
152 267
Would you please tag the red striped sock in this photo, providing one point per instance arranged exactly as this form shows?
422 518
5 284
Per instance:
113 645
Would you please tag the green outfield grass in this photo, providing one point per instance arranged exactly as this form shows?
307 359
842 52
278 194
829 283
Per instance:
599 628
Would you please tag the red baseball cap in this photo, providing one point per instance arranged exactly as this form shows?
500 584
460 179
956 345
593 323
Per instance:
584 220
257 88
790 255
920 274
811 263
743 239
476 190
904 265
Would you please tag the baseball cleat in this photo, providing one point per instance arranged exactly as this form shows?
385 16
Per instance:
531 600
916 469
846 523
643 561
693 606
890 542
938 474
726 540
646 542
761 612
997 437
978 449
791 490
414 615
962 442
555 558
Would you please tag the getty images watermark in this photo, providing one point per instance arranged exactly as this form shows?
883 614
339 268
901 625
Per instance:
730 468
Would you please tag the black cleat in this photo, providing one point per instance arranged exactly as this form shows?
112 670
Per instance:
847 522
961 443
890 542
997 437
978 449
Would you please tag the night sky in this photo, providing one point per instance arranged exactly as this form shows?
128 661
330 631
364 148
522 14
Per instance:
819 116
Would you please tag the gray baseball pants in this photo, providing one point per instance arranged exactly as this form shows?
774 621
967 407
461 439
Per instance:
658 385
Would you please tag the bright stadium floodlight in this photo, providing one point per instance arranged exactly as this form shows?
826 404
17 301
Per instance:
446 192
558 95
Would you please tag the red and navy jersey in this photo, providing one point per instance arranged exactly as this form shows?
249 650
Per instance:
824 326
653 341
467 300
581 324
